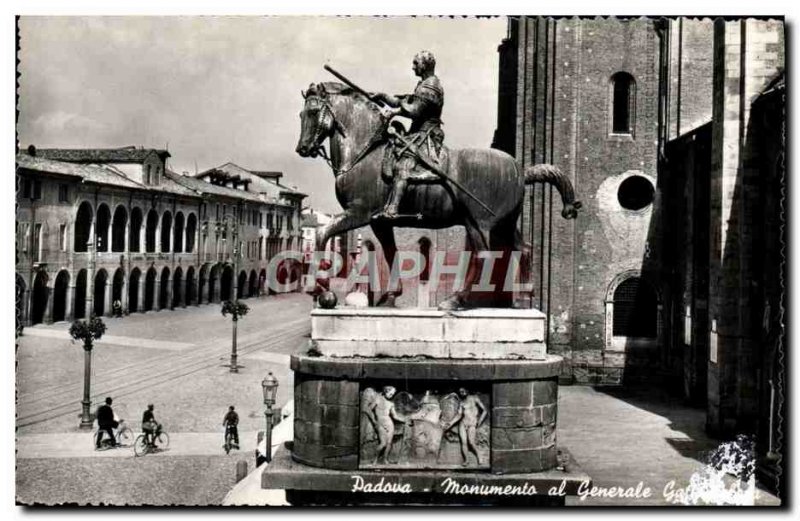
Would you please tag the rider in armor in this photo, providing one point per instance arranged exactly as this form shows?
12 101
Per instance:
424 108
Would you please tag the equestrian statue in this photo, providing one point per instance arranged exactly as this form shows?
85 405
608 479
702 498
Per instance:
387 177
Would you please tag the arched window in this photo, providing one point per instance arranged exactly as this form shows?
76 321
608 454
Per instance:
135 243
635 309
177 239
150 232
191 230
118 229
623 103
83 227
101 227
166 231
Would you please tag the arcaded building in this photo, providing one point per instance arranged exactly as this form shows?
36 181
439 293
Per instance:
99 226
671 131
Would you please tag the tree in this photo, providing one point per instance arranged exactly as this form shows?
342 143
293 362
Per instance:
87 331
235 309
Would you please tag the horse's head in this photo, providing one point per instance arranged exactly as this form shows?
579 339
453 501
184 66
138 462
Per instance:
317 121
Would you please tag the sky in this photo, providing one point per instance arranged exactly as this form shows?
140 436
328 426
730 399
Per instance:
218 89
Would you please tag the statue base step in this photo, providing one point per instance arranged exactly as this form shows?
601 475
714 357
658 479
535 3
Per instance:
483 333
306 485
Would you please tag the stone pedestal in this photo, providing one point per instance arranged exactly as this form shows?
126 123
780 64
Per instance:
423 396
478 334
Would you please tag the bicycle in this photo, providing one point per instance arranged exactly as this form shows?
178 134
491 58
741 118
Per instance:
229 444
122 433
141 447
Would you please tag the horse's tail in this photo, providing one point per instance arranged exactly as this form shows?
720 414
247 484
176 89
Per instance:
545 173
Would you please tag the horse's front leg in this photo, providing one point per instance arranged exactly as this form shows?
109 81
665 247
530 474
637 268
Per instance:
476 243
341 223
385 235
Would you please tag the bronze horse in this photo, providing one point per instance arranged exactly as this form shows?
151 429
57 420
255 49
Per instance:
358 141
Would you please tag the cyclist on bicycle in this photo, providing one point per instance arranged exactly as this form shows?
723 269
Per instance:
106 423
231 423
150 427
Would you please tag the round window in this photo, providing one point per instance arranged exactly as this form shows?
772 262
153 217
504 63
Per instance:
635 193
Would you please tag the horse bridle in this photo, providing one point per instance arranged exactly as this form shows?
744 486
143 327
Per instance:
326 119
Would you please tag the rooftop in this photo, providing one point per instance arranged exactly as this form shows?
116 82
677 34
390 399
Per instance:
87 173
128 154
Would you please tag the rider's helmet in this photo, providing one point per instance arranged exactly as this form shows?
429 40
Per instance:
150 406
231 407
108 400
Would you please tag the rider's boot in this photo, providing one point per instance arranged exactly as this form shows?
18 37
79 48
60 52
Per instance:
398 190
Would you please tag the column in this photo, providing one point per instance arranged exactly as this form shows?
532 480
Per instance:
172 236
48 310
25 307
157 294
169 287
140 291
107 297
69 307
124 296
127 247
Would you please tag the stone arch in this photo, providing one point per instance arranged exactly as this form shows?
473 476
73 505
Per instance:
177 289
213 284
117 285
119 224
99 296
191 232
150 289
252 287
102 227
83 227
163 289
646 304
150 231
262 281
241 284
166 231
79 306
40 294
190 296
177 236
202 284
226 283
135 238
133 290
60 293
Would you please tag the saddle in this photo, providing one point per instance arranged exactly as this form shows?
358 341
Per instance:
394 149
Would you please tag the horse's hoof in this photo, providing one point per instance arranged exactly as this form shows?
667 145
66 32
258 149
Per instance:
388 300
451 304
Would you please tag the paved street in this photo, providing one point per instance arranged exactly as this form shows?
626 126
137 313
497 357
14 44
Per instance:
173 359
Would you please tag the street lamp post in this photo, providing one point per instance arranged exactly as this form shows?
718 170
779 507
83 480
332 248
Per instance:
270 388
87 331
232 305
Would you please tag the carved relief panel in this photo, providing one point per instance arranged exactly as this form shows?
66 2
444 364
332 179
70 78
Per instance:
424 426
